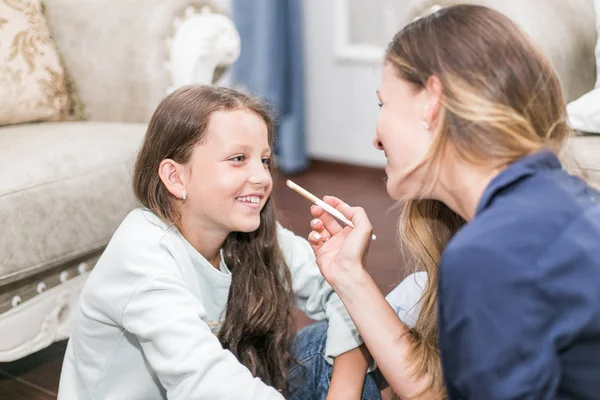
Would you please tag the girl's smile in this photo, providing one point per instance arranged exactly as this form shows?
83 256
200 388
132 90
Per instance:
252 200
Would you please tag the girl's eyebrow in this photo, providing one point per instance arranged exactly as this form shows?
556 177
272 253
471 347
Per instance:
245 147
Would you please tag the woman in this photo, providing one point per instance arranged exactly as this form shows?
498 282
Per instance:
472 119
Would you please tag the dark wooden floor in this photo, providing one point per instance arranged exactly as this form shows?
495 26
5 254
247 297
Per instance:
36 377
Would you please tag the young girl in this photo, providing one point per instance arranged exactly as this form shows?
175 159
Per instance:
193 296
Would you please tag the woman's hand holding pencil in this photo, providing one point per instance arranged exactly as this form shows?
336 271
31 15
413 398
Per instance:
331 210
340 250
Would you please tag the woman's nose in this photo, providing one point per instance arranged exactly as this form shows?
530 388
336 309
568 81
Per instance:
377 143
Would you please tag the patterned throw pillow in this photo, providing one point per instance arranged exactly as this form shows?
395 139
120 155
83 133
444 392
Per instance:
32 79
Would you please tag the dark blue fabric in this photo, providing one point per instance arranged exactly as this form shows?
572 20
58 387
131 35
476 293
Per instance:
271 66
310 375
519 292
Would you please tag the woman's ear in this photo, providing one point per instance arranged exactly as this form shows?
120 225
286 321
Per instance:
434 95
172 175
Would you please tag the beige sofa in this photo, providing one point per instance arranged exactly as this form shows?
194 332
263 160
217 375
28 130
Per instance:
566 32
65 187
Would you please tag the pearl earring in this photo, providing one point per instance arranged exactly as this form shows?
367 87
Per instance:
183 195
425 124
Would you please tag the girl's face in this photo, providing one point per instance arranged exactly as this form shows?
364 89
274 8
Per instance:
401 134
230 181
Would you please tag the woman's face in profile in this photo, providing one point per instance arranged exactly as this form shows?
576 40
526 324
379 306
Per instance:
401 133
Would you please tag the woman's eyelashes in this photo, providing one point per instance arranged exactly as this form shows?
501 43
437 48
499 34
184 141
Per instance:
379 104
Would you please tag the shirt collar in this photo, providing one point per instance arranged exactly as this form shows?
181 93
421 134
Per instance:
521 169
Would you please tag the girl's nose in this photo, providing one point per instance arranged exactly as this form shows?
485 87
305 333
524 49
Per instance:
260 174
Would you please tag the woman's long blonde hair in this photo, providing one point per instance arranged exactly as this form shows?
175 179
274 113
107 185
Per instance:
501 101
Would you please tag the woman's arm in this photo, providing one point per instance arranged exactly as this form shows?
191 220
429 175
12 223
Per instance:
315 297
404 299
398 352
388 338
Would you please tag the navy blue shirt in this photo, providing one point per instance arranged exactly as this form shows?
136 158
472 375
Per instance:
519 290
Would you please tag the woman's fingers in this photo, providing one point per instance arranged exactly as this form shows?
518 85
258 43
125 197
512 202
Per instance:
315 240
342 207
357 215
331 224
324 225
319 233
354 214
319 227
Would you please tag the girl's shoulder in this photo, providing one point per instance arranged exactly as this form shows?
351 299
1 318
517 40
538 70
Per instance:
139 228
144 218
141 241
135 255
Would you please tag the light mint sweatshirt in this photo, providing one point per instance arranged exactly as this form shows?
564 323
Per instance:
147 316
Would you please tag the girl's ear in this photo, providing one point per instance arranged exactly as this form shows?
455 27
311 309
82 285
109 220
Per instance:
172 175
434 95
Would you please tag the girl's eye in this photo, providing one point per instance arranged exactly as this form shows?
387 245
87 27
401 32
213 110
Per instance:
379 104
238 159
265 161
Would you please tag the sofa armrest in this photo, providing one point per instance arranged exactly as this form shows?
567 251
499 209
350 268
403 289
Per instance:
202 42
119 51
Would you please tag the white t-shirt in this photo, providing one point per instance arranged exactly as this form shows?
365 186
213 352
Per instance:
405 297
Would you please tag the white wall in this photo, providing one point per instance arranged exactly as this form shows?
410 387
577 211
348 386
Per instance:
341 104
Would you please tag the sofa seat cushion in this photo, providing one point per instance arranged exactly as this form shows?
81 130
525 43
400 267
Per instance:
64 189
586 151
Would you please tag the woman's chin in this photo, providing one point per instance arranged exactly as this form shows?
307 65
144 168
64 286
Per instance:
392 189
402 187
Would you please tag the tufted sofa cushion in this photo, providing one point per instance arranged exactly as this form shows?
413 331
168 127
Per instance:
64 189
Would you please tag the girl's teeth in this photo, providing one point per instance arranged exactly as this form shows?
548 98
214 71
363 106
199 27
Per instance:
254 200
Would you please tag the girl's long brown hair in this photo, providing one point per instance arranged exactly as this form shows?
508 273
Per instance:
257 327
501 101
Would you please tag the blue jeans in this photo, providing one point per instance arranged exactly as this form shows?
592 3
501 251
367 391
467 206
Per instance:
310 376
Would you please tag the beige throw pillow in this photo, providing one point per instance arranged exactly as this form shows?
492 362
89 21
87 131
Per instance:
32 80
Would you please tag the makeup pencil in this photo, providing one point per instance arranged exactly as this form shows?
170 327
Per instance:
311 197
